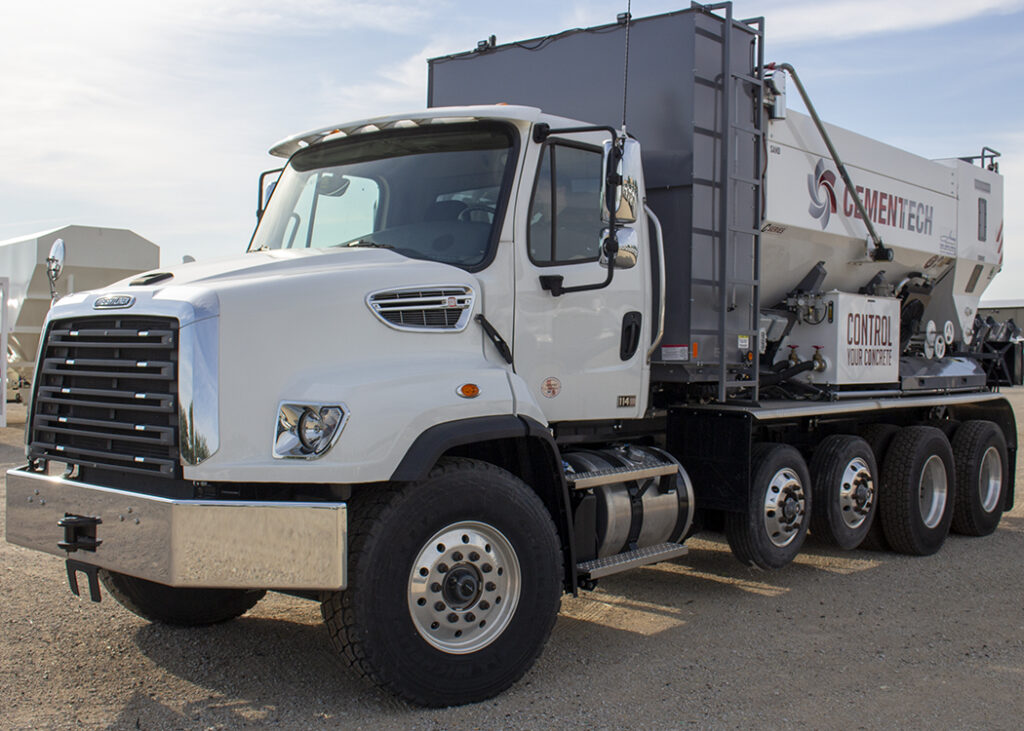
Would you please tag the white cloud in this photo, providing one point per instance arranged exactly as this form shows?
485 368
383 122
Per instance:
818 21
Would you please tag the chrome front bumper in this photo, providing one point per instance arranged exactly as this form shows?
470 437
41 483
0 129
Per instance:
185 543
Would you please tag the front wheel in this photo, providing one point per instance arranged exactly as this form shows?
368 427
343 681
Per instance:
454 584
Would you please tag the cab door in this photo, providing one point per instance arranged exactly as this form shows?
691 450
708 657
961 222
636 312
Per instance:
581 354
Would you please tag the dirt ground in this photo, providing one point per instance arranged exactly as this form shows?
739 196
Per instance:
838 640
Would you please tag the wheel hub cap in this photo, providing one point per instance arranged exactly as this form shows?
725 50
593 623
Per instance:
856 493
784 507
464 586
990 480
461 587
932 489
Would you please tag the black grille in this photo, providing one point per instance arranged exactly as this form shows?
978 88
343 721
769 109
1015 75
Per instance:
423 318
107 394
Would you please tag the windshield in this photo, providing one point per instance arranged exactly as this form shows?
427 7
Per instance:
431 193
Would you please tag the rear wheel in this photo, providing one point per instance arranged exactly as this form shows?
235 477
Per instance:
979 450
878 437
454 584
918 487
773 529
183 607
844 475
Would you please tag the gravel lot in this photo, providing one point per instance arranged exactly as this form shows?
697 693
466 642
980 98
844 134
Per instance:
837 640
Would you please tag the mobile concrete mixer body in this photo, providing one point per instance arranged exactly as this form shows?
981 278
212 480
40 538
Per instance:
517 350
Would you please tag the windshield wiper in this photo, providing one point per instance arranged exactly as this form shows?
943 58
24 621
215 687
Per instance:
365 243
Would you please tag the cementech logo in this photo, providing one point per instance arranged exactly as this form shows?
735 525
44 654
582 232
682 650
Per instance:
822 188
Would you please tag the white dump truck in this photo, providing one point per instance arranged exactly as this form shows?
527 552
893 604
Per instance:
481 355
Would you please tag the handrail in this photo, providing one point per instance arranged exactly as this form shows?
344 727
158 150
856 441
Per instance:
881 252
661 283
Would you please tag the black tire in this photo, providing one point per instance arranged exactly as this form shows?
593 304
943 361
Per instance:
181 607
918 489
845 478
396 625
769 535
982 469
878 437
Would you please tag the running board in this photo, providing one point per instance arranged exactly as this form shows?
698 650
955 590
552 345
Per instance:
609 565
583 480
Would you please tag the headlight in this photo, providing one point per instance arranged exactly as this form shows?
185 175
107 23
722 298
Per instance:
307 431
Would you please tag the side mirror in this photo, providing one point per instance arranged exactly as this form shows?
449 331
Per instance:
54 266
623 172
629 250
55 261
266 191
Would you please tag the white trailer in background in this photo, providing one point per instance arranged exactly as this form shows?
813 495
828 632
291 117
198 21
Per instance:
96 257
5 285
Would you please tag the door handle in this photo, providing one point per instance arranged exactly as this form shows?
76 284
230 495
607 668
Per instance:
630 341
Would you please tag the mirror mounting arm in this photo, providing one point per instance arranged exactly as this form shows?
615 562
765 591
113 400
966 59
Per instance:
261 200
553 282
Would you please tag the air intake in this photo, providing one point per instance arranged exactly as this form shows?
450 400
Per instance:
445 308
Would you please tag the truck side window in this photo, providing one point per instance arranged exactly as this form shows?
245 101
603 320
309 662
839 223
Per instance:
565 213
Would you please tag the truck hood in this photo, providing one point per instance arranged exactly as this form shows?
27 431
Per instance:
284 263
265 284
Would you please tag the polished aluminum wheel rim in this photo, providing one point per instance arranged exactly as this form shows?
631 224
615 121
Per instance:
856 493
990 479
464 587
932 491
785 506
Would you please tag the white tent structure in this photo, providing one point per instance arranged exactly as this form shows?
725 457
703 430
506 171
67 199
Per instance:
95 257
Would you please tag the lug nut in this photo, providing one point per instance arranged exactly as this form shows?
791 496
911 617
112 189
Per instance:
439 606
486 568
453 618
457 556
485 605
435 587
443 568
470 617
490 586
474 556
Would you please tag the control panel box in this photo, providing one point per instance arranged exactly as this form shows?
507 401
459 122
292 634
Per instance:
857 336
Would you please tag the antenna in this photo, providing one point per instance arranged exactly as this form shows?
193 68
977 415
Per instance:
626 18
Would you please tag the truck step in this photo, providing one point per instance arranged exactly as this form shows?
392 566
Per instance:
583 480
608 565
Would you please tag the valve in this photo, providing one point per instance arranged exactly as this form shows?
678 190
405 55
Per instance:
794 359
819 359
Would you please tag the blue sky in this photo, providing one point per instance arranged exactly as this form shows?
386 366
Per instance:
158 118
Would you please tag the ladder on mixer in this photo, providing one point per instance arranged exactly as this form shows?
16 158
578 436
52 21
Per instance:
734 234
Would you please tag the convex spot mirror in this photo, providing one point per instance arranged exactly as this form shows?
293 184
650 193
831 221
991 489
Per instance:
629 170
55 261
626 256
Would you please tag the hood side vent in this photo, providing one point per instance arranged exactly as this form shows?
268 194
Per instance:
445 308
151 278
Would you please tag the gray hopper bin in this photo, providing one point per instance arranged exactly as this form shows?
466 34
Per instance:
95 257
